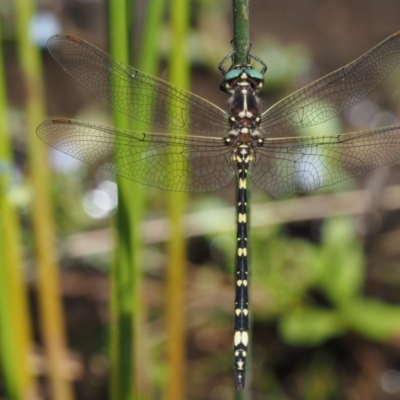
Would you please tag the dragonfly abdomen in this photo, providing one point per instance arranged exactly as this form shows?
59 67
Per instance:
241 319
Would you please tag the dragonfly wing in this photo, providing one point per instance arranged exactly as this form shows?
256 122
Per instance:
329 96
169 162
136 94
309 163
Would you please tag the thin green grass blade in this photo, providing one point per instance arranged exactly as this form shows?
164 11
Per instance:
52 320
177 203
8 344
130 377
15 329
148 61
125 276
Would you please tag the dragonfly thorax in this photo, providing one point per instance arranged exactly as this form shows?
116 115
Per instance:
244 106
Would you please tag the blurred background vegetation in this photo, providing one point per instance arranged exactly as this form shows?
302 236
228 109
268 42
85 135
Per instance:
325 266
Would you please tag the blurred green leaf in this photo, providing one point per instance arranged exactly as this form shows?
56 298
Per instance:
310 326
373 319
339 268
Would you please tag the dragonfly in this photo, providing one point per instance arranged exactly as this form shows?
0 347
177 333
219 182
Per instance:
203 147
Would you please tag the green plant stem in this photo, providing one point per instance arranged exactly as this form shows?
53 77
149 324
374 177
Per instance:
16 344
130 373
51 311
177 202
241 31
125 277
148 61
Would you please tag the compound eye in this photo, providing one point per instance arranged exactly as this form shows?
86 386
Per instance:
253 73
232 74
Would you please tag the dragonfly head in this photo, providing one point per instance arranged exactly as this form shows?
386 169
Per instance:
240 75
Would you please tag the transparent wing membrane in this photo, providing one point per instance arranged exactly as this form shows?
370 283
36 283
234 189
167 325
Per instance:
169 162
196 164
201 161
329 96
136 94
309 163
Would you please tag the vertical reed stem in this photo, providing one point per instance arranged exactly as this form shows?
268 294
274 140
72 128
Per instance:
16 344
51 311
176 350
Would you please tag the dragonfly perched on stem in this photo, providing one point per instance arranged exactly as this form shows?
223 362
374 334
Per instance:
217 145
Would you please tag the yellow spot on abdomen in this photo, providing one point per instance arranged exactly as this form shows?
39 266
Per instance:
242 218
241 338
237 339
242 251
245 338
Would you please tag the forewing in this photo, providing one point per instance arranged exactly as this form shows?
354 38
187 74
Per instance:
169 162
333 93
136 94
309 163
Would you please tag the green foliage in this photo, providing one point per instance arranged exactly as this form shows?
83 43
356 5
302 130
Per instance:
372 318
336 269
310 325
341 256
